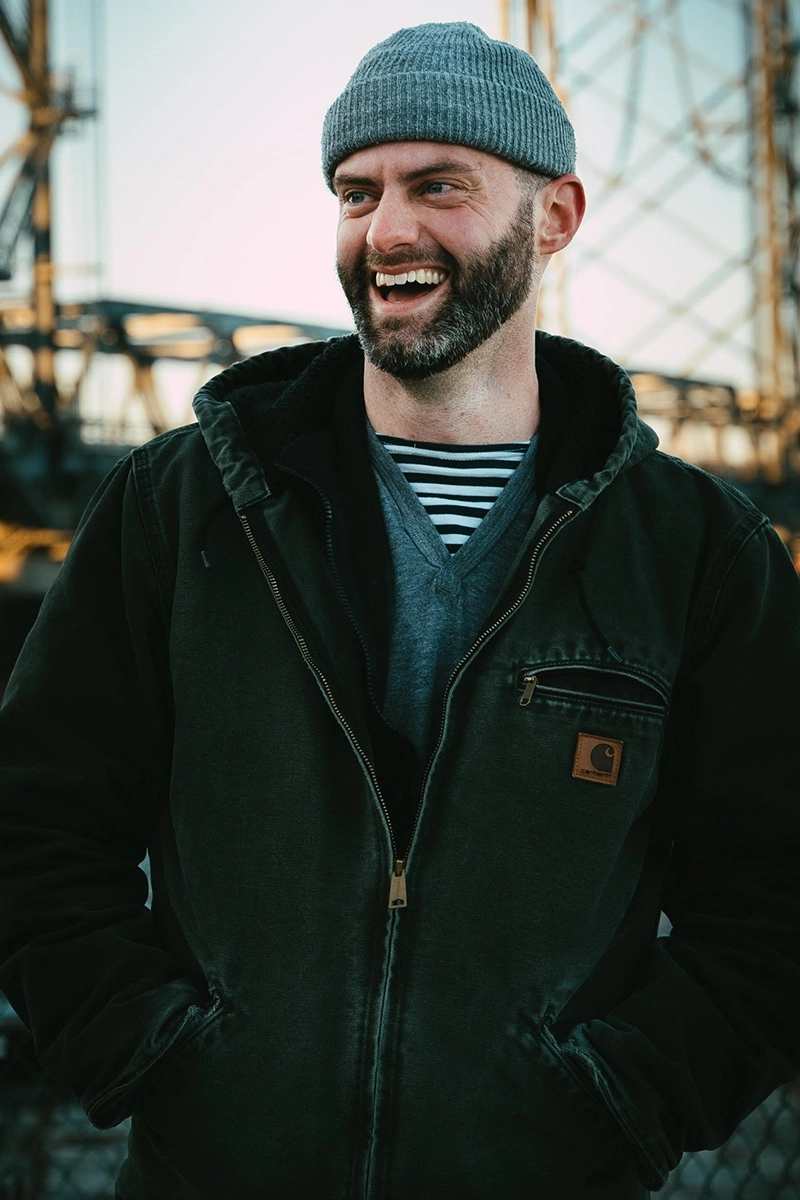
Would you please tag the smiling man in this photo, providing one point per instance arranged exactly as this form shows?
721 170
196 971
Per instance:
403 204
429 684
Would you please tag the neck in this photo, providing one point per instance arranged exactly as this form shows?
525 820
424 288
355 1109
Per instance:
491 396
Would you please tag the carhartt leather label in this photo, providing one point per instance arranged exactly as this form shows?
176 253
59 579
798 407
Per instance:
597 758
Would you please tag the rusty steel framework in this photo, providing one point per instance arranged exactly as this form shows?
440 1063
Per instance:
715 352
53 448
772 49
697 150
51 107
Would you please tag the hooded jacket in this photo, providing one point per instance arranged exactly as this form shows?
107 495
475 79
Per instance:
363 978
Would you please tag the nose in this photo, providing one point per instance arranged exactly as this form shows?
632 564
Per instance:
392 224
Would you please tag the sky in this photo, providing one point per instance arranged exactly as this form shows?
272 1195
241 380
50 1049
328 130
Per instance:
213 120
199 182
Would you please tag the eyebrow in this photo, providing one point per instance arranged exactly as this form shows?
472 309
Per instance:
451 164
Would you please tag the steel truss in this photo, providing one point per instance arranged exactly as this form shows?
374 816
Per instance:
686 114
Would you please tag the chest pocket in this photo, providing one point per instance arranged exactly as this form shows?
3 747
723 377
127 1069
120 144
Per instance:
620 690
595 728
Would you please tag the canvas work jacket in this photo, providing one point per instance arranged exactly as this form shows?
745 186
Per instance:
366 977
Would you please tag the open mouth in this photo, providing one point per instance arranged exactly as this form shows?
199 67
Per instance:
408 285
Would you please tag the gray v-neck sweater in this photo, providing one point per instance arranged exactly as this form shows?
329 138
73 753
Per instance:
441 600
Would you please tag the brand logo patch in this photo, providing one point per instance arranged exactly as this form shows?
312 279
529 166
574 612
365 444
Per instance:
597 758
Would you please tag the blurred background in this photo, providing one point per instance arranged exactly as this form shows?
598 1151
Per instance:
163 214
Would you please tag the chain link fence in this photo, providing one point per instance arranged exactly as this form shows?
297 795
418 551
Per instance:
50 1151
760 1161
48 1148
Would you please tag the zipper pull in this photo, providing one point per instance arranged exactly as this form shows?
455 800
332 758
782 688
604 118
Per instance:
530 682
397 889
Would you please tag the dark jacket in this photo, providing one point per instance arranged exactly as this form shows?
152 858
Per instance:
205 680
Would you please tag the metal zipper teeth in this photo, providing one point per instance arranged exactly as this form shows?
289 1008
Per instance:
618 702
348 609
304 650
472 650
303 646
641 679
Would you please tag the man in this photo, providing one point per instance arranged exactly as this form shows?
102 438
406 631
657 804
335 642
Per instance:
416 784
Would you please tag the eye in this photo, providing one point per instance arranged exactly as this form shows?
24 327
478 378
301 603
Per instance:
354 198
436 187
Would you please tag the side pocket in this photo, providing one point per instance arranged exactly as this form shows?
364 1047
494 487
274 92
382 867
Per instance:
581 1078
573 1138
589 1077
197 1020
113 1105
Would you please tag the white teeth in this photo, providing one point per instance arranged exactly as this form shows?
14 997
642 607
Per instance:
430 277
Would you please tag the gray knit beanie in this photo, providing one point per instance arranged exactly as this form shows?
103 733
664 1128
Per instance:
451 83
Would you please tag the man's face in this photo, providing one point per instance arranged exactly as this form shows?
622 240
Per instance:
454 217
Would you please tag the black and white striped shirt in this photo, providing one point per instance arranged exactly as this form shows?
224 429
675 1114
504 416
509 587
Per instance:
457 485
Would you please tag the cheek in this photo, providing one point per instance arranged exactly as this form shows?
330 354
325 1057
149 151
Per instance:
350 241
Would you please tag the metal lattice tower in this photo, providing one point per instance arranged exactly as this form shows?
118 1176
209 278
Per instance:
688 267
78 378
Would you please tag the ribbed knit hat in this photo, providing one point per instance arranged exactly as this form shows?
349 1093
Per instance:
451 83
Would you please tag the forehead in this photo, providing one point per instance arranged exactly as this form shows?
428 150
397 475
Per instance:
407 159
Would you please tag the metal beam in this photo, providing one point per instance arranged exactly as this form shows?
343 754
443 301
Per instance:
19 50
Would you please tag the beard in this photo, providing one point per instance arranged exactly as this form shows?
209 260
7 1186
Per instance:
485 291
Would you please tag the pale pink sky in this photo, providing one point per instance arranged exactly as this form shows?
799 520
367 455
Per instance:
210 193
214 115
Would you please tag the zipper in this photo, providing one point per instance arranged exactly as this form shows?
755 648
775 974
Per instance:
530 680
398 897
637 677
340 589
397 890
484 636
398 894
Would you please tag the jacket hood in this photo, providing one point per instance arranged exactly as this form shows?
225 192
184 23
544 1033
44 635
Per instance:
251 414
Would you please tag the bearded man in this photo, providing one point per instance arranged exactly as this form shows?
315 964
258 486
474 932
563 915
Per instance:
429 684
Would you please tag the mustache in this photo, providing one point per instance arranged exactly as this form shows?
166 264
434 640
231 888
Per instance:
388 261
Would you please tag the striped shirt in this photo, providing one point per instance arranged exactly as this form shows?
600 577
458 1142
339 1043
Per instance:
456 485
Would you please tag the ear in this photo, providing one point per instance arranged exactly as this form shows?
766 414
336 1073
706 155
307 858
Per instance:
562 203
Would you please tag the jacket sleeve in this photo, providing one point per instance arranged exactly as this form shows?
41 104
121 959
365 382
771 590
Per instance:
712 1027
85 734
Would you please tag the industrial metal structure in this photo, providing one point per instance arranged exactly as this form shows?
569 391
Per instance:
55 447
722 140
715 352
687 120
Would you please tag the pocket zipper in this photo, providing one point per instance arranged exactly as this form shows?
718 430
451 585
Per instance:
530 680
